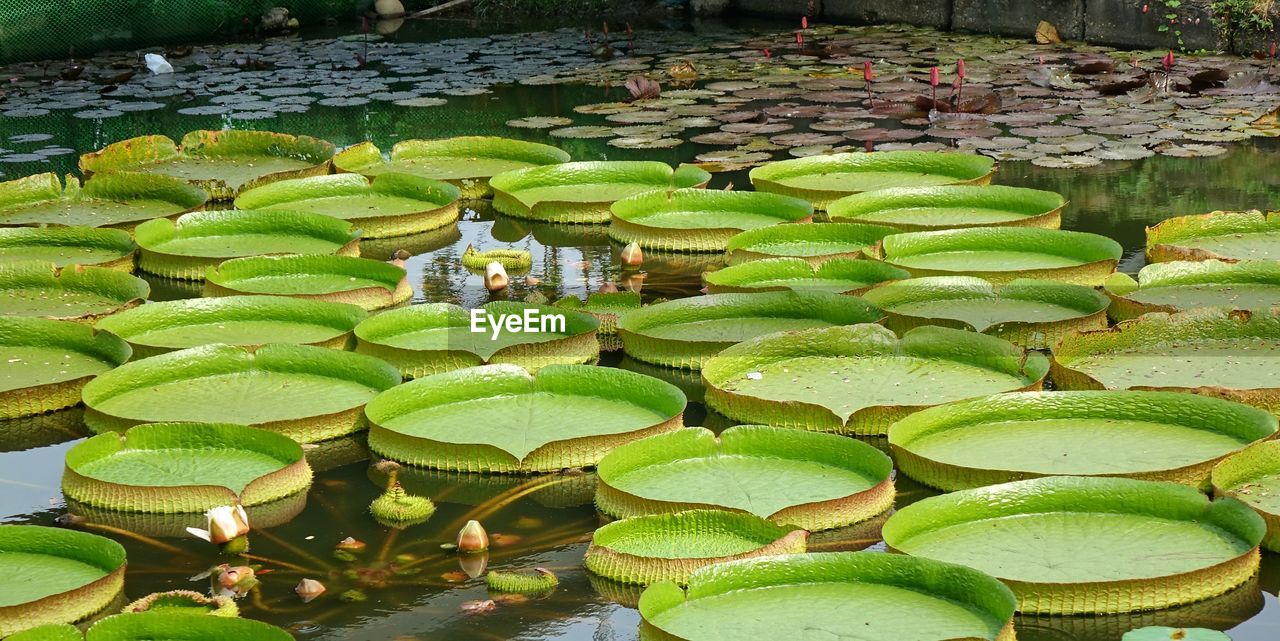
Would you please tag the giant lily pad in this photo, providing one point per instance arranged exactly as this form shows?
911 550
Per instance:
62 246
1225 235
467 162
951 207
308 393
1002 254
836 276
391 205
500 418
581 192
112 199
807 479
1030 313
47 362
860 379
438 337
1253 476
36 288
699 219
884 597
825 178
668 547
1214 352
220 162
1158 436
185 249
1082 545
184 467
182 626
371 284
607 307
815 243
250 321
686 332
1182 285
54 575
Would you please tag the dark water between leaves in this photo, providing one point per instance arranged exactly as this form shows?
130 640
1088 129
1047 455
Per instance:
411 588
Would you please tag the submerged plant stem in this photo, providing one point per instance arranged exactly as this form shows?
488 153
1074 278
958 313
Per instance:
141 538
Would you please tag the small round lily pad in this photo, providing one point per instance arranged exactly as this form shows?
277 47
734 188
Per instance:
74 292
62 246
1225 235
370 284
836 276
467 162
391 204
699 219
113 199
1003 254
47 362
53 575
825 178
582 192
951 207
1183 285
815 243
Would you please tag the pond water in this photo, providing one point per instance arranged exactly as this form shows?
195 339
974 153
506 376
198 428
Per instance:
414 590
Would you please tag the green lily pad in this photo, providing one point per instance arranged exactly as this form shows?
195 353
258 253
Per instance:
467 162
62 246
182 626
438 337
1253 476
184 467
565 416
951 207
607 307
1183 285
174 525
699 219
370 284
825 178
1224 235
35 288
815 243
819 379
54 575
393 204
1030 313
1081 545
1158 436
836 276
49 632
884 597
686 332
112 199
220 162
47 362
1003 254
514 260
249 321
185 601
1163 633
308 393
185 249
668 547
581 192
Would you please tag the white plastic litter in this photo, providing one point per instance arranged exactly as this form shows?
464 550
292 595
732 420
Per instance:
157 64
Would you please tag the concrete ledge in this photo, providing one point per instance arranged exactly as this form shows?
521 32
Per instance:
1019 17
794 8
1122 23
926 13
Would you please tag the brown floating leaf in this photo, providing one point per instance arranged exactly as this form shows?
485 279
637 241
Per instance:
1047 34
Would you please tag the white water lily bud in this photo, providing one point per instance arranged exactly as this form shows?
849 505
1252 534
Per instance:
226 523
309 589
631 255
473 538
495 277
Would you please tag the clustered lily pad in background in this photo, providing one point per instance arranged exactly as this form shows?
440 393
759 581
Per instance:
1157 436
37 288
1030 313
1080 545
686 332
951 207
1215 352
501 418
1003 254
883 597
822 179
836 276
699 220
668 547
370 284
809 480
1183 285
186 248
467 162
582 192
220 162
390 205
53 576
47 363
62 246
1224 235
249 321
438 337
815 243
607 307
859 379
184 467
1253 476
308 393
112 199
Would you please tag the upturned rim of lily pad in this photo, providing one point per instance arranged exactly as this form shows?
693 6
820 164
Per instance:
965 169
20 331
81 483
1121 287
664 401
116 241
366 156
1165 241
607 307
781 241
791 273
187 600
1096 256
152 236
72 605
1244 424
387 283
1033 207
118 186
651 174
1226 517
1234 476
123 291
376 336
142 626
175 525
629 221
